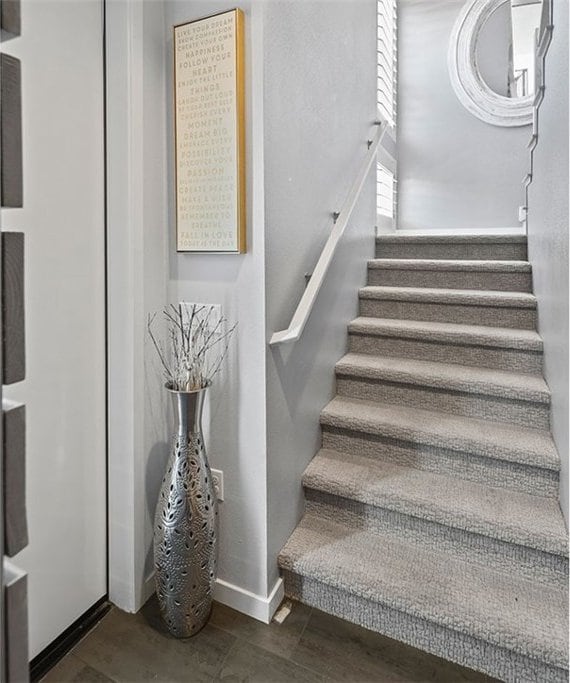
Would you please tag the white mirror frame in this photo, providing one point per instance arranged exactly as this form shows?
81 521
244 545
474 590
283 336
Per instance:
472 91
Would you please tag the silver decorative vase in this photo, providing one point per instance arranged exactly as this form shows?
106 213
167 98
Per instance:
185 528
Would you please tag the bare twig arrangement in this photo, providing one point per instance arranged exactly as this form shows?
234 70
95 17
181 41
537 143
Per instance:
197 345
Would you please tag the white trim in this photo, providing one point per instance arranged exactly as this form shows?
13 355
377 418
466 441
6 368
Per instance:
124 272
244 601
470 88
136 272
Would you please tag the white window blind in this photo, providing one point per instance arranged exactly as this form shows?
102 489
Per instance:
386 51
386 95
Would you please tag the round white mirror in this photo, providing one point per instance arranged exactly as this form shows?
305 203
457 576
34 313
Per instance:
491 59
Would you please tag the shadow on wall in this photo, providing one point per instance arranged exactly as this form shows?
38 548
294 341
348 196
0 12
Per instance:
155 466
301 379
296 362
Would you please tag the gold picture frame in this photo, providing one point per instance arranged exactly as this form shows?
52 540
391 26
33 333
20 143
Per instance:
209 134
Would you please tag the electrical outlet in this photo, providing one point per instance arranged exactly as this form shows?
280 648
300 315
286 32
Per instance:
218 479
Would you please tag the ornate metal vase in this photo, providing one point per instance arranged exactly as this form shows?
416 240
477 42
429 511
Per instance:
185 533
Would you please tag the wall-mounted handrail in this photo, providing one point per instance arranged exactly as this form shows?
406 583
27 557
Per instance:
543 38
303 310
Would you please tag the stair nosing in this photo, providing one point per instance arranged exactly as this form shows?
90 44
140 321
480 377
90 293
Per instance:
360 365
384 594
435 510
454 297
451 239
331 417
451 265
456 334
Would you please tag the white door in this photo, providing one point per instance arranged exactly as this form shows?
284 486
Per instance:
61 50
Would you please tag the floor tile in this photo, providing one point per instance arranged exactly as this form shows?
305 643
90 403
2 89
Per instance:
247 663
281 639
346 652
309 646
72 670
133 648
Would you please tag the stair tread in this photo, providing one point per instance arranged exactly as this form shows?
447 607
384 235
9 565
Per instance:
499 440
511 516
463 297
455 333
450 265
497 607
452 239
449 376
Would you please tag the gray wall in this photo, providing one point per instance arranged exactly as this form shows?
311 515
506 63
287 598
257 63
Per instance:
236 422
309 113
548 233
454 170
319 61
310 105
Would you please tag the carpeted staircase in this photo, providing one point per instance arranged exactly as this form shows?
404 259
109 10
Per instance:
432 511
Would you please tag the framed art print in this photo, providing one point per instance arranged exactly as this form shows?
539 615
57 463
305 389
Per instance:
209 134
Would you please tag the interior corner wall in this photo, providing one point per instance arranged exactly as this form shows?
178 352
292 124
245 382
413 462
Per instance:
454 170
319 107
236 437
137 284
548 233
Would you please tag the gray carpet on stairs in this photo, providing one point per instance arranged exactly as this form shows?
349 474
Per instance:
471 306
510 276
432 513
471 345
460 247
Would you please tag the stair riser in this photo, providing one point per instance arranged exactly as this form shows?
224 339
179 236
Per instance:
505 282
456 464
524 413
479 356
490 471
474 252
439 640
491 316
523 562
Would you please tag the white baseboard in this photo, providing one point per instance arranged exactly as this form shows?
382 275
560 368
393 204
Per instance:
237 598
244 601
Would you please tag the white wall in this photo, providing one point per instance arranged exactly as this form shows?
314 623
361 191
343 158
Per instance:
63 219
454 171
320 102
493 49
548 233
137 272
526 19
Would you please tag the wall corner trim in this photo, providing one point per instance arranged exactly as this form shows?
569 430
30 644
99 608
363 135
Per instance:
256 606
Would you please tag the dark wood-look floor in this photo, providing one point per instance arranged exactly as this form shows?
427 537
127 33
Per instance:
309 646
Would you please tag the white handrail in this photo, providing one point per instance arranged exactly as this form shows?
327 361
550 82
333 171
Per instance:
301 315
